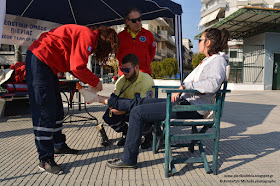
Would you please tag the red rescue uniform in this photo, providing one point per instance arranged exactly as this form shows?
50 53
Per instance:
66 48
143 46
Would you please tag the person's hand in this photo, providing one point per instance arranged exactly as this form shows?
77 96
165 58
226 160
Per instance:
98 87
174 97
118 112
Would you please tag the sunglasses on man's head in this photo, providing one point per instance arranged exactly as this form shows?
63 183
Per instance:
126 70
135 20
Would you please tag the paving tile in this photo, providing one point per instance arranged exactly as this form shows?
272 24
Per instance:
249 146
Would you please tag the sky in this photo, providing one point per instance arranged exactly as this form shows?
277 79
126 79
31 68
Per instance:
190 20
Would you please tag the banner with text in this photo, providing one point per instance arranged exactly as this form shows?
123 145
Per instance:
2 15
23 31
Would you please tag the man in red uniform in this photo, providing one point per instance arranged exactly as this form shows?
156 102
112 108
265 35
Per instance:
136 40
63 49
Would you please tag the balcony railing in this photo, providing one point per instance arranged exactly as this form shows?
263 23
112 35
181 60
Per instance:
170 52
256 2
157 37
158 53
163 52
242 3
277 2
170 30
163 35
220 4
171 40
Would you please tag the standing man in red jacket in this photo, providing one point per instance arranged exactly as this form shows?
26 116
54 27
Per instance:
63 49
136 40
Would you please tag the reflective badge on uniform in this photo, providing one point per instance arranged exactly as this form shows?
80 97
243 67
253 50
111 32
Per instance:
154 44
89 48
142 38
150 94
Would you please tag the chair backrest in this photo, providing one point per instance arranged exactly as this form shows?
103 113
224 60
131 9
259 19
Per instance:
227 72
224 90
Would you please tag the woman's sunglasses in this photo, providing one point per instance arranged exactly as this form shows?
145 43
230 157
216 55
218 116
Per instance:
126 70
199 40
135 20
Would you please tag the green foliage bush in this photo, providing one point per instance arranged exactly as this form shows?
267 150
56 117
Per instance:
167 68
156 69
197 58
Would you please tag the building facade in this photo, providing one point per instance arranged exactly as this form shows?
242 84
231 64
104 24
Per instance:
213 11
252 53
187 51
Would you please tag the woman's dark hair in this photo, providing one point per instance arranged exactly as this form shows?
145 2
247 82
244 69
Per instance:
130 58
218 38
108 42
128 11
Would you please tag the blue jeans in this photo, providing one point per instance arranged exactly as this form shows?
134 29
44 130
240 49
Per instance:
46 106
142 110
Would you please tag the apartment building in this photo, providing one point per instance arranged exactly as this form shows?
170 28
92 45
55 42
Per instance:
187 51
213 11
254 50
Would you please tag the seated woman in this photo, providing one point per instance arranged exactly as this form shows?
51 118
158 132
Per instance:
206 78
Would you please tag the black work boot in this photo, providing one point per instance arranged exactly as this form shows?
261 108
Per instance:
121 142
148 141
105 140
65 150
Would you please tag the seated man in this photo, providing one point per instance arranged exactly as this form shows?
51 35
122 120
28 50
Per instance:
133 83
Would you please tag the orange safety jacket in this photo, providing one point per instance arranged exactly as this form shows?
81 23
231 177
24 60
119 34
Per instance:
66 49
143 46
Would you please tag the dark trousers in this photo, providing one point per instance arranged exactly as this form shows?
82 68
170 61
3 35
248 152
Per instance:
119 123
46 106
142 110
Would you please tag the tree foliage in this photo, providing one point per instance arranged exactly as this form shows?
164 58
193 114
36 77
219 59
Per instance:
169 67
113 62
156 69
197 58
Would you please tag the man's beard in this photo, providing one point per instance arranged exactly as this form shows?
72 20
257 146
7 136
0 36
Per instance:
133 76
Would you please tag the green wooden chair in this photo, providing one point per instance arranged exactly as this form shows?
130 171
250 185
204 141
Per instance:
196 136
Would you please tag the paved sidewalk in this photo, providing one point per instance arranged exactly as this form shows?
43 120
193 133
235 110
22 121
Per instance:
249 150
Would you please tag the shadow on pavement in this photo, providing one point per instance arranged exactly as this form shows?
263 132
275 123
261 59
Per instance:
235 140
19 132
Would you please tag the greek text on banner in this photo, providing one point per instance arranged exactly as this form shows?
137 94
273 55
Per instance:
23 31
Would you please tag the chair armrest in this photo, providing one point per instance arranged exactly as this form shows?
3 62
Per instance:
163 87
189 91
180 90
170 87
